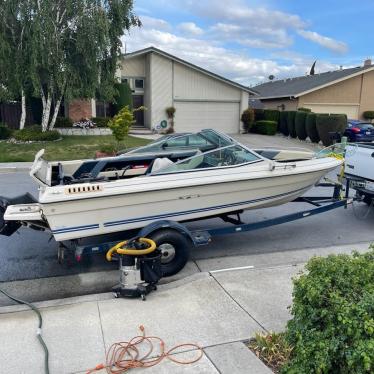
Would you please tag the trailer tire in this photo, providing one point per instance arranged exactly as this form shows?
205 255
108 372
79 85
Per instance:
178 243
368 199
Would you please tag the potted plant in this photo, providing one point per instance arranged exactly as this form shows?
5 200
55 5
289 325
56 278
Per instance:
170 111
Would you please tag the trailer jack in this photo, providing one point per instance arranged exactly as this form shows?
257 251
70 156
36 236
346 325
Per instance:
139 267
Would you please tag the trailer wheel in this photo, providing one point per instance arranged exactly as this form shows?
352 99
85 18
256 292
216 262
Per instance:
368 199
174 248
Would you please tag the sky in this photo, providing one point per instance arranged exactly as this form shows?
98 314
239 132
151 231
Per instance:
249 40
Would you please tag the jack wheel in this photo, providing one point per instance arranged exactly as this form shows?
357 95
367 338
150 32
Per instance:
175 250
142 296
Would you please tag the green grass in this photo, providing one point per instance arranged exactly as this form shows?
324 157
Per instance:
69 148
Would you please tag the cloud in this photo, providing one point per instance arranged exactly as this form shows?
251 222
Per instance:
324 41
190 28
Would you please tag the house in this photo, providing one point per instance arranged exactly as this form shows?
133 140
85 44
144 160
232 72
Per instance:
349 91
201 98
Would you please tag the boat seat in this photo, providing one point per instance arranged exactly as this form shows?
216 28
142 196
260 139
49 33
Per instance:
160 163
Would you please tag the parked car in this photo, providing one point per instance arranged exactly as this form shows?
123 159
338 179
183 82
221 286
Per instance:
358 131
183 144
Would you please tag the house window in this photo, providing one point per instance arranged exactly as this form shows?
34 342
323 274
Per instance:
139 84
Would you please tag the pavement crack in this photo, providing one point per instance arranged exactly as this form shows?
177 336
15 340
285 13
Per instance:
101 326
238 304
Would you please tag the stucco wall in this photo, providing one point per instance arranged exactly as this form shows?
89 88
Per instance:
133 67
367 95
346 92
190 84
161 80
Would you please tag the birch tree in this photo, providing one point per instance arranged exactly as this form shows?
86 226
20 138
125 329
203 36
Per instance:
14 53
74 49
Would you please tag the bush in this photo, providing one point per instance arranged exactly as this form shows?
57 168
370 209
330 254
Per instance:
271 115
5 131
300 128
304 109
265 127
120 124
101 121
248 117
310 127
332 329
330 123
259 114
291 123
369 114
283 128
63 122
34 133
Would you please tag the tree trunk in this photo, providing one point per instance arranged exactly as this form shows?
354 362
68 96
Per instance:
46 112
23 111
55 113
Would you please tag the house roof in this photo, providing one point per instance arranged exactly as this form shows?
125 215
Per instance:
186 63
295 87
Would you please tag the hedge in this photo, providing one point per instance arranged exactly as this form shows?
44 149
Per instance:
311 128
369 114
5 131
248 118
291 123
300 128
259 114
302 109
123 98
265 127
63 122
271 115
101 121
34 133
283 128
330 123
332 325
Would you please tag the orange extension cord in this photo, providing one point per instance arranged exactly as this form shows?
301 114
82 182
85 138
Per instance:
124 356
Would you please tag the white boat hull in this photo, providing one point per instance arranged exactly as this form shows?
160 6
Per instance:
124 211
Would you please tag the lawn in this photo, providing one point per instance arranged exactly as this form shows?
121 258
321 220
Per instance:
69 148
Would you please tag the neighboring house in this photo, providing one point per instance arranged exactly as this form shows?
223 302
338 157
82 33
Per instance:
349 91
201 98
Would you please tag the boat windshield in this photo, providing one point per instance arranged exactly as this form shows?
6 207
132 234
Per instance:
231 155
221 140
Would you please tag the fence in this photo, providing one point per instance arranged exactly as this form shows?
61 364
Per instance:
10 113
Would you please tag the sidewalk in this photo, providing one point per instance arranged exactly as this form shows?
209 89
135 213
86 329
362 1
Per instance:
217 310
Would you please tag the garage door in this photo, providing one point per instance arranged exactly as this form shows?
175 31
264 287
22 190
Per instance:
194 116
350 110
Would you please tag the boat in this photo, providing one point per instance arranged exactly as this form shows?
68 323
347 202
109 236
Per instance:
84 198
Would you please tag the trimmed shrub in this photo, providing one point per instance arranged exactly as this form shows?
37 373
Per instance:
34 133
302 109
63 122
248 118
332 328
291 123
265 127
271 115
283 128
259 114
311 128
123 98
300 129
5 131
330 123
101 121
369 114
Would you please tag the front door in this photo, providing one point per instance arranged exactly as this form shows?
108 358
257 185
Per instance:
137 101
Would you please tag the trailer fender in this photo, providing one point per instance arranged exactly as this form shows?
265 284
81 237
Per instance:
166 224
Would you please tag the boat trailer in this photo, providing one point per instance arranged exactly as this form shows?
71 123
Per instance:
140 271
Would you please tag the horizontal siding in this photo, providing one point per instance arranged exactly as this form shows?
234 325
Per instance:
190 84
133 67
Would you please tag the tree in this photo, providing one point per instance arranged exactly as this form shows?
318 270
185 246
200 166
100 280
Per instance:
74 48
14 53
